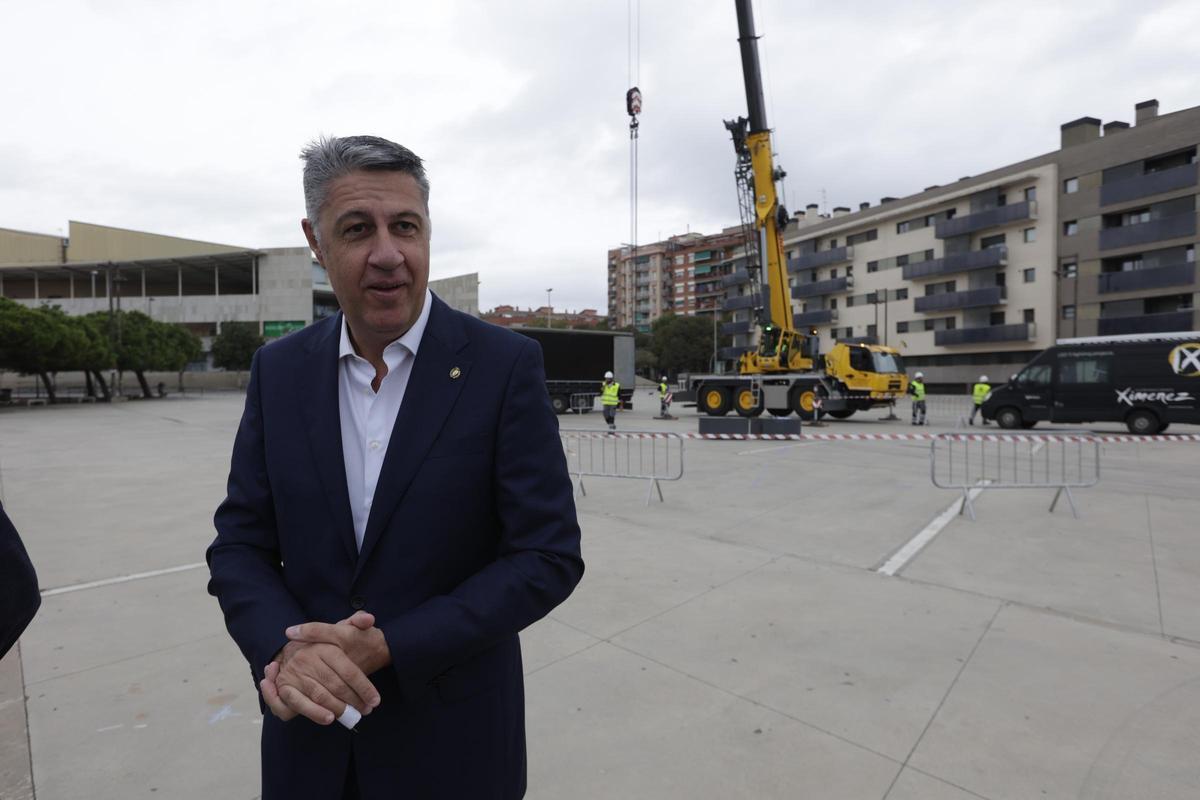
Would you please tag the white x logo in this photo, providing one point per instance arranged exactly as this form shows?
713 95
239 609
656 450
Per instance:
1185 359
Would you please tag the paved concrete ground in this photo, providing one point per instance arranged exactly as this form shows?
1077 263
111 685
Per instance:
736 640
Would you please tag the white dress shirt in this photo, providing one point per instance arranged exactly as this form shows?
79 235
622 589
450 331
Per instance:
367 416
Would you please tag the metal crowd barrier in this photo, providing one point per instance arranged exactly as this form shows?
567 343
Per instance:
971 462
584 401
647 456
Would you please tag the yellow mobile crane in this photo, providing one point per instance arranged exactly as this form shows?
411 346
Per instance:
785 373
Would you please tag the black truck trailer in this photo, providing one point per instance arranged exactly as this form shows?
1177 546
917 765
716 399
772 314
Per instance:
1146 381
576 361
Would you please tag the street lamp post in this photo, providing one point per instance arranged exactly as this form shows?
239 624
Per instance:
549 311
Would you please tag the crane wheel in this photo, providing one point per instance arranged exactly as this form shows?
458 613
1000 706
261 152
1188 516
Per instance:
747 403
803 401
715 400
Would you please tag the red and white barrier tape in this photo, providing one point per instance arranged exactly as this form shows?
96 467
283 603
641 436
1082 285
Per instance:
1115 438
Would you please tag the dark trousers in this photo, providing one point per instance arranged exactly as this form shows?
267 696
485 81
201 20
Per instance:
610 416
350 792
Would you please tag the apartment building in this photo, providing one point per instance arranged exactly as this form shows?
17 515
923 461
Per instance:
680 275
1098 237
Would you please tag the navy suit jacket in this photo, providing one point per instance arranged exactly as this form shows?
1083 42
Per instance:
472 536
19 596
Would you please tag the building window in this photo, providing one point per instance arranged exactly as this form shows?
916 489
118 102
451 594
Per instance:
872 331
833 273
1070 269
902 327
1071 186
991 241
833 302
901 294
1068 312
872 266
996 318
1031 193
1071 227
1030 235
865 236
1028 314
833 244
1030 275
904 227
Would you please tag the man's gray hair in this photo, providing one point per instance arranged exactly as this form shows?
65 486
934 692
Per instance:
328 158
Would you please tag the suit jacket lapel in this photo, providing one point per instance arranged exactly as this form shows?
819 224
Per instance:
319 400
428 400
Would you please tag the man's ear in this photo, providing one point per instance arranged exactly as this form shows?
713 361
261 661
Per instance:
311 235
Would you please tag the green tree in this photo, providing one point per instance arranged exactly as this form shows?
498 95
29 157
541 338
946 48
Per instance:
682 344
645 362
39 341
235 345
142 344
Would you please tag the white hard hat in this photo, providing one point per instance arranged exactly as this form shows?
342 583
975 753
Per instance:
664 378
608 375
919 375
983 378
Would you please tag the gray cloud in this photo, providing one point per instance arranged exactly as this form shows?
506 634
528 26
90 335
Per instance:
187 119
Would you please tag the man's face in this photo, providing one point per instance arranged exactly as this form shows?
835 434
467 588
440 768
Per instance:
374 244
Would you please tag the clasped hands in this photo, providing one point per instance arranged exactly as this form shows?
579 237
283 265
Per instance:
324 668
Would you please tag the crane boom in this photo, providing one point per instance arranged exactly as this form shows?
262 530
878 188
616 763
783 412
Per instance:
752 140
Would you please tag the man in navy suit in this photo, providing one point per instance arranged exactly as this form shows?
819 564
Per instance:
397 470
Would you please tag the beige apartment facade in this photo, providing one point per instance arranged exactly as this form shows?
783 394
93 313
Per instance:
976 277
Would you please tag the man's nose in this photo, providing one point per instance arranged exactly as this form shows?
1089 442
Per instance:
385 251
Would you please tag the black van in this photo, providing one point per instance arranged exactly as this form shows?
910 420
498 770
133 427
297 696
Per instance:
1146 381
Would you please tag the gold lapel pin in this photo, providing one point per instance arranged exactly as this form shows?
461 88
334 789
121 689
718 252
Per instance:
455 373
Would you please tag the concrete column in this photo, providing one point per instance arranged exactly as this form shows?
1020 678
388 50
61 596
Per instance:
143 281
254 291
179 276
216 281
71 280
36 296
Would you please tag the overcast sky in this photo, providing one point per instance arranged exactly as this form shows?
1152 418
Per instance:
186 118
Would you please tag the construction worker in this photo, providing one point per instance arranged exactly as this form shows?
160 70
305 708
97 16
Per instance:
664 398
979 393
917 389
610 398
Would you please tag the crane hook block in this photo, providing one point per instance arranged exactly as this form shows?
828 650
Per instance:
633 102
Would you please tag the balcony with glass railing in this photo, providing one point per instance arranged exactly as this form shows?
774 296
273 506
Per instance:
1147 323
989 218
1151 183
971 298
989 258
988 334
819 288
1151 278
822 316
822 258
1156 230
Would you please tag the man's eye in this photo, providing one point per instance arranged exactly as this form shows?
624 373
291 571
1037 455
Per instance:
354 230
406 226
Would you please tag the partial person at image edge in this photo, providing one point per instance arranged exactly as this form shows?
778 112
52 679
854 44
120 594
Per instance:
19 596
402 459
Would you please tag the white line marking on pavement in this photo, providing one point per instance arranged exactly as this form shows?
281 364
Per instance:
918 542
771 449
137 576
